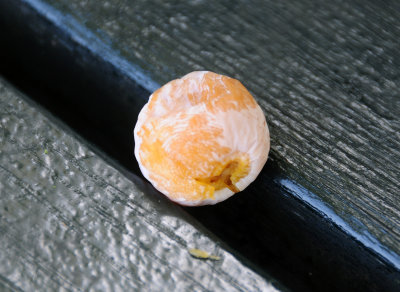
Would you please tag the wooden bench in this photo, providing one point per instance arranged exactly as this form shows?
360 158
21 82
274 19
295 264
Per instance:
324 213
71 221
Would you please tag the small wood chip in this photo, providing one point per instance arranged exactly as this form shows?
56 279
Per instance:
202 254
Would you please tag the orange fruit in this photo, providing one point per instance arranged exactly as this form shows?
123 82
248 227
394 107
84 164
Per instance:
202 138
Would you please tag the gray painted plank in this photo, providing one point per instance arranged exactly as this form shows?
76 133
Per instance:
326 75
69 221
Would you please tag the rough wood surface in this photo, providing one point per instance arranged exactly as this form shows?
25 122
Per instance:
326 75
71 222
308 64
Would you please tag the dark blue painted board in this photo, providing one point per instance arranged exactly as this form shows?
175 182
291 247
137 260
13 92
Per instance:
326 76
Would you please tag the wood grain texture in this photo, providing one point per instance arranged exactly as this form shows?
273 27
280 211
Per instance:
69 221
325 74
91 82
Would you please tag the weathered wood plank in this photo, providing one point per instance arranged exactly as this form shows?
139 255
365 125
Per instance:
294 48
70 221
326 76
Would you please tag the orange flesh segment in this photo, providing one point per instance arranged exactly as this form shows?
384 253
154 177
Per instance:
231 173
179 146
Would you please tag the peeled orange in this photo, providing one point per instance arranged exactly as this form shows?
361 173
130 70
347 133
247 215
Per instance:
202 138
